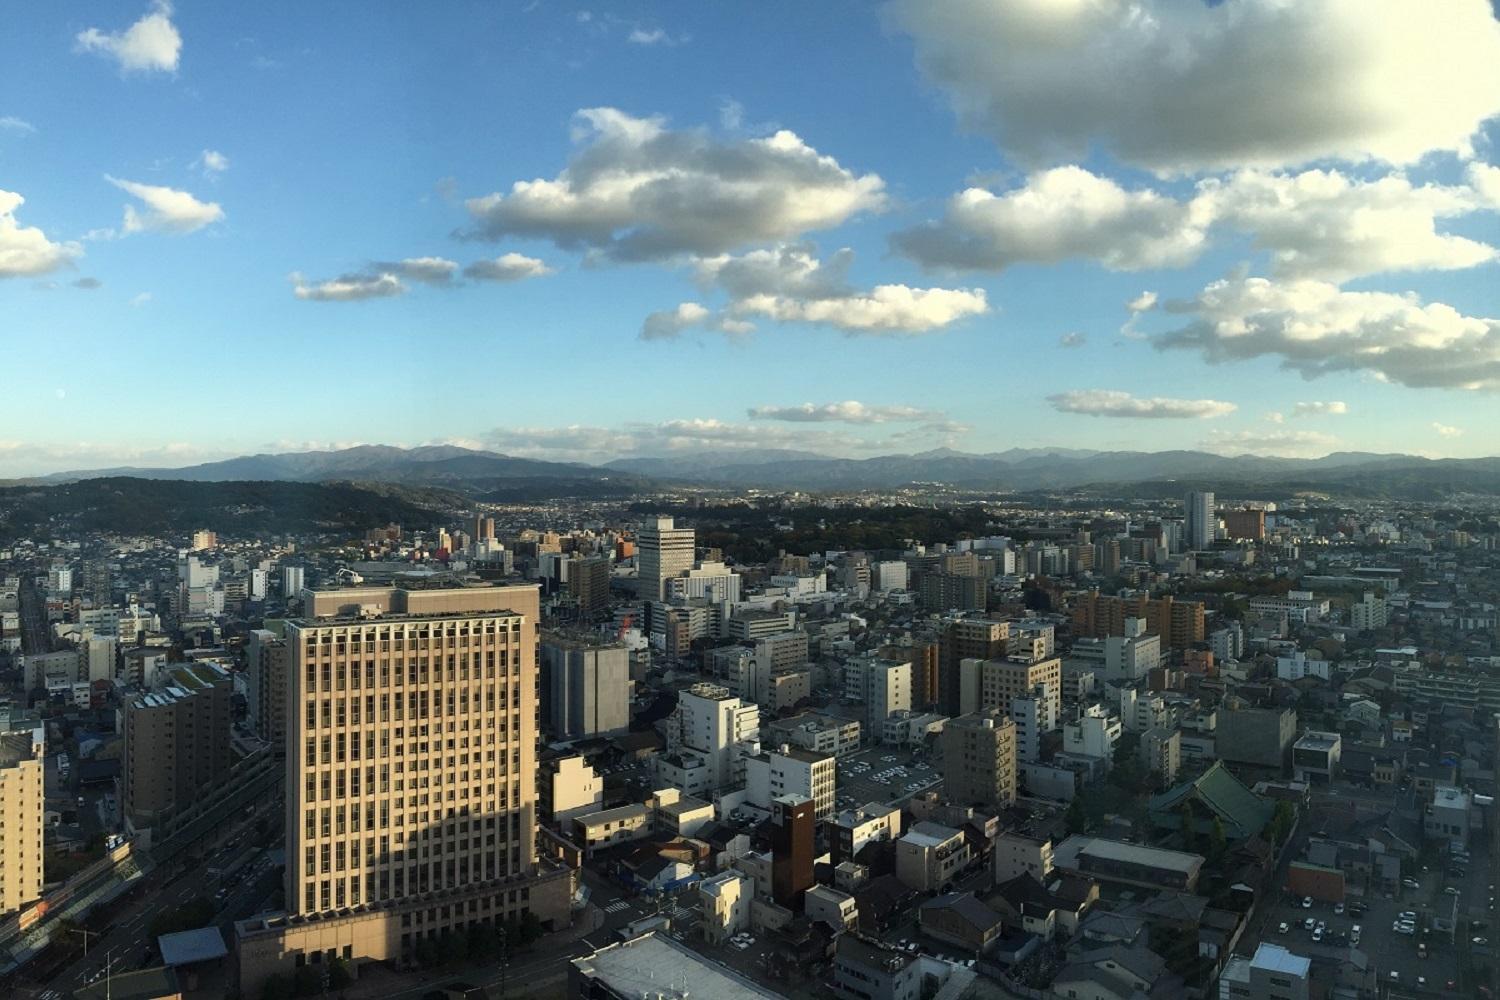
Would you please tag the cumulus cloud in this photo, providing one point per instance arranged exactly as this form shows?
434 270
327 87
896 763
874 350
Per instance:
848 412
666 323
1114 403
166 209
1043 78
1143 302
1073 339
33 457
25 251
788 283
1060 214
150 45
638 190
507 267
10 123
1323 224
212 162
427 270
1317 223
348 287
1447 430
140 299
1315 328
1319 408
653 36
1290 444
88 284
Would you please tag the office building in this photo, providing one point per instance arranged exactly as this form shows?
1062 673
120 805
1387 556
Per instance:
1002 681
411 776
664 551
852 829
568 787
892 574
588 583
867 969
1130 657
1179 623
1161 754
1260 737
177 741
293 579
1201 522
22 807
793 824
979 759
585 686
708 733
965 639
883 686
930 856
267 660
1245 525
484 528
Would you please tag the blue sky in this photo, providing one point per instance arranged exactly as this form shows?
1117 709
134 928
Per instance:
311 186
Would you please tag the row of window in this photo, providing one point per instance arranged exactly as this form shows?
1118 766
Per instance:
336 893
327 713
330 675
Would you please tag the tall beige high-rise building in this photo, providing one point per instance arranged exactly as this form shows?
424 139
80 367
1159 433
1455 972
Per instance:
664 551
178 740
1002 681
22 807
979 759
267 661
411 776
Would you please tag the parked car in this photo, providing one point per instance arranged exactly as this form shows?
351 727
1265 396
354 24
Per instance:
1307 902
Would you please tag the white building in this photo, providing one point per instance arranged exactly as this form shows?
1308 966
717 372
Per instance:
891 575
1371 611
883 686
1202 525
1130 657
575 789
710 723
791 771
1095 734
712 581
663 551
1298 665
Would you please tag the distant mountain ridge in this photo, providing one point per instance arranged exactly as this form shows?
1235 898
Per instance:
491 475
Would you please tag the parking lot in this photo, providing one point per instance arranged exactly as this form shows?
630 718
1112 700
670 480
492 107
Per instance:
883 774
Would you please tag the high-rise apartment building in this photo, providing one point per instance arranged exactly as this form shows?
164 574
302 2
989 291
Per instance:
792 770
484 528
1002 681
709 725
22 807
979 759
665 551
177 740
965 639
1179 623
267 660
884 686
588 583
411 776
1245 525
204 539
1202 523
585 686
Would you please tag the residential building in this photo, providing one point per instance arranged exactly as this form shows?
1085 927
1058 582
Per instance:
1448 819
22 807
177 741
952 592
1130 657
1001 681
398 696
1093 734
883 686
867 969
930 856
588 582
852 829
1369 612
1201 523
709 724
1161 754
890 575
965 638
1315 757
820 733
961 920
979 759
724 901
663 551
1273 973
1179 623
568 787
833 907
585 686
1261 737
1016 854
791 771
267 659
595 831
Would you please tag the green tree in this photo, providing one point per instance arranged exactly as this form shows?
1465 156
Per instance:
1216 840
1188 834
307 981
426 953
276 988
453 947
1077 817
531 928
339 976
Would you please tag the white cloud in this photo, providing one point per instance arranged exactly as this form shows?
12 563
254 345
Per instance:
1319 408
1275 417
10 123
1290 444
1181 85
1447 431
1114 403
1144 302
666 323
427 270
1060 214
848 412
1316 328
1317 223
151 44
507 267
33 457
1073 339
637 190
167 209
211 161
1323 224
348 287
653 36
140 299
25 251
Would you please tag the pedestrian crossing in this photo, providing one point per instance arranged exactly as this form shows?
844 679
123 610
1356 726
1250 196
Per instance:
617 906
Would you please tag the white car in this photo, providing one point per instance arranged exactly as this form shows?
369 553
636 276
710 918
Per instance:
1354 934
1307 902
1317 934
1282 928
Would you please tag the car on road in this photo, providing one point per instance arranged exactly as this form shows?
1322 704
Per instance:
1479 940
1451 890
1354 934
1307 902
1309 924
1317 934
1395 976
1411 883
1282 928
1421 949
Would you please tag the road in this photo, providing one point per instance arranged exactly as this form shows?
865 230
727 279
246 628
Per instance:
35 636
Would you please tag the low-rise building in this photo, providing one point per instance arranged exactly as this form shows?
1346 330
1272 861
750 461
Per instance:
653 964
1315 757
835 908
930 856
852 829
960 919
724 900
865 969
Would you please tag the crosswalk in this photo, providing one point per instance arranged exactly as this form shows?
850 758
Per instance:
617 906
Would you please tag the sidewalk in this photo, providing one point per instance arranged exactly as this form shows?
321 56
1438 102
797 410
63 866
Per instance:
541 967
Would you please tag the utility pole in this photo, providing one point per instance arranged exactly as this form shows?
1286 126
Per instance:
108 965
86 935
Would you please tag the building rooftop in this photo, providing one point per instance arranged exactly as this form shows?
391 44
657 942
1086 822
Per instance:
1117 850
610 815
1275 958
1312 740
656 966
187 947
931 834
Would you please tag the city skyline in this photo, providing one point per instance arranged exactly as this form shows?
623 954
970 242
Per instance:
335 223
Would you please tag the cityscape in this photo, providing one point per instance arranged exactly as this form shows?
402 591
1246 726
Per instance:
901 500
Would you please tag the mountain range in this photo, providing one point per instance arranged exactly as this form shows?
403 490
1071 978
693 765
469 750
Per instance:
490 475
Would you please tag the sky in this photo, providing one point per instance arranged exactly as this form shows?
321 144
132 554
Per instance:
579 231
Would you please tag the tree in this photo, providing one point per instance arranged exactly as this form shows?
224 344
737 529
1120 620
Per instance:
1186 813
1281 822
339 976
530 928
1216 839
307 981
426 953
276 988
1077 817
1037 599
453 947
